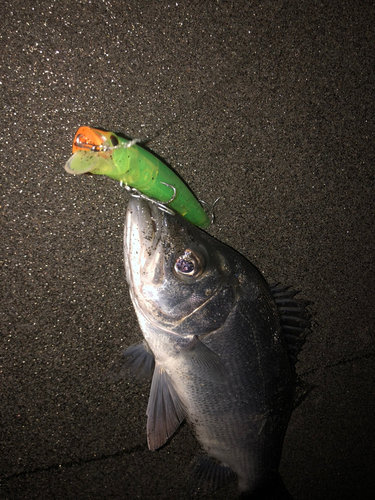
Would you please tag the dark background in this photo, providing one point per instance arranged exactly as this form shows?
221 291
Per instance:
267 104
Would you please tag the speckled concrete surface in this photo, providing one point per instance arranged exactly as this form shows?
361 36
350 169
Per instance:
269 105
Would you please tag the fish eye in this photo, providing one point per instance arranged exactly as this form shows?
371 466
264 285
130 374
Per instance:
189 264
114 140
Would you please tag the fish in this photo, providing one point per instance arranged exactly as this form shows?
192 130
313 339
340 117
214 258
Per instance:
219 346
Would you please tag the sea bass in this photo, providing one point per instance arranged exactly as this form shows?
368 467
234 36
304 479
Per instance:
215 344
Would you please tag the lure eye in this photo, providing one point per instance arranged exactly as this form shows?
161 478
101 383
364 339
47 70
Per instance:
78 140
81 141
114 140
189 264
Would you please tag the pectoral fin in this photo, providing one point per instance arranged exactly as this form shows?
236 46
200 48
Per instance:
137 361
165 410
206 363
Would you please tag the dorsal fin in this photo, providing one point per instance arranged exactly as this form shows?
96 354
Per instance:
295 319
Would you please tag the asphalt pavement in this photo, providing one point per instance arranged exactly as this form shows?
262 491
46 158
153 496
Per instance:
268 105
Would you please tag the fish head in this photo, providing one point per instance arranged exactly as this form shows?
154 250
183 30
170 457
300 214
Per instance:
179 277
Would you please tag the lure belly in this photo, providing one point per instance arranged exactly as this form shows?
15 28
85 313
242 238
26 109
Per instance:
105 153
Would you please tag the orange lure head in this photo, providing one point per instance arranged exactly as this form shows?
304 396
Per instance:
92 152
93 139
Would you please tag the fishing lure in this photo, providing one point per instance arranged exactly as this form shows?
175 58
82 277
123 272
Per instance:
105 153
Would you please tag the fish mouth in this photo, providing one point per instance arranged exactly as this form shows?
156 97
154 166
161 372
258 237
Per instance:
145 236
143 228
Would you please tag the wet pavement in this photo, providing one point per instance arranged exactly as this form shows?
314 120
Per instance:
267 105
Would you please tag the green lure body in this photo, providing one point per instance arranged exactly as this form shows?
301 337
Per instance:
105 153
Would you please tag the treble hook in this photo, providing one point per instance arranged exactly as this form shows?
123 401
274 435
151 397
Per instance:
161 206
210 208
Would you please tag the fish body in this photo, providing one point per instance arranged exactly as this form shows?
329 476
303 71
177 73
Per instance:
213 343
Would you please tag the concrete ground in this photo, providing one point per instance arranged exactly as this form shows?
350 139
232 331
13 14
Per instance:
268 105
